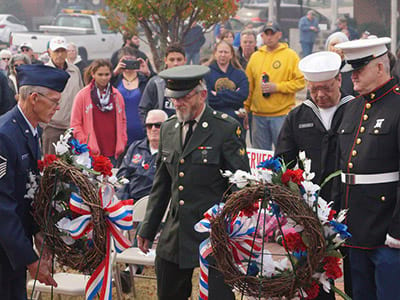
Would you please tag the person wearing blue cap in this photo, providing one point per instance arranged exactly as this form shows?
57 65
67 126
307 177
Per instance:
195 144
40 90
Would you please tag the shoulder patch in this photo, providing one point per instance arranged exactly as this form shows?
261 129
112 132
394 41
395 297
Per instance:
223 116
3 166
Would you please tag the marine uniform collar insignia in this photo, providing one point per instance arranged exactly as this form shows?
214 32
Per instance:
380 91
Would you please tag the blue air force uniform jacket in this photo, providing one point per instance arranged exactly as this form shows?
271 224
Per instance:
191 178
369 143
18 156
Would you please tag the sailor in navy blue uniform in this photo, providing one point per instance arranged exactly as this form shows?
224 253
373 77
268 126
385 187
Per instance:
39 94
369 154
312 127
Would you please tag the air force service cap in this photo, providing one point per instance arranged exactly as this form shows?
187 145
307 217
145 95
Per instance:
41 75
320 66
181 80
359 53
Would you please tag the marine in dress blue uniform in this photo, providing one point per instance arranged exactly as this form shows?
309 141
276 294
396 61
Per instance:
19 152
368 148
188 175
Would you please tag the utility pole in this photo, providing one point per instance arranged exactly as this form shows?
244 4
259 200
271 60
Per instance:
334 13
393 26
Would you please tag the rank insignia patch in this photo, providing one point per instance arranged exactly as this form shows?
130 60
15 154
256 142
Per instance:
242 151
3 166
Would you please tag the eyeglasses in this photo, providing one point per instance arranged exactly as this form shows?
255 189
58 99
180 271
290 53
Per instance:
156 125
5 58
53 101
25 49
186 97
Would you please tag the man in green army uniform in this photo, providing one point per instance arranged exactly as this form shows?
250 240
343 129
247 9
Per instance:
195 145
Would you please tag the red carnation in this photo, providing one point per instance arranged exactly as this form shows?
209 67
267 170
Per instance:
103 165
286 176
332 213
312 291
297 176
294 242
332 267
251 210
146 166
40 165
47 161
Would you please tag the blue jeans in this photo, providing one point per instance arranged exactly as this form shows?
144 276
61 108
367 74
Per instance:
265 131
375 273
306 48
193 57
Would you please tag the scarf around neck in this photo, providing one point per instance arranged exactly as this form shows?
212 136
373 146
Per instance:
102 99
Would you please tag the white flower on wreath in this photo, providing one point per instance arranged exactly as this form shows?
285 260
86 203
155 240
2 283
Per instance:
323 280
240 178
268 264
307 174
323 210
310 192
265 176
62 147
31 186
83 159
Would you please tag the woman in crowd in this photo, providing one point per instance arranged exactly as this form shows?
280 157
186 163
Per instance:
5 56
227 83
74 58
131 76
15 61
98 113
332 40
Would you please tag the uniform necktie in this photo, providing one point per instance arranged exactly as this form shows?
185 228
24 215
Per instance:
36 146
189 132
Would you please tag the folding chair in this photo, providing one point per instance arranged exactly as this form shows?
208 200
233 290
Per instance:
133 255
68 284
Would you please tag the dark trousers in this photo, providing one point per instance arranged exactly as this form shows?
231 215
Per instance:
174 283
375 273
12 284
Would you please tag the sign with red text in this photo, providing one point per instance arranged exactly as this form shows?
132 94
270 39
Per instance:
257 156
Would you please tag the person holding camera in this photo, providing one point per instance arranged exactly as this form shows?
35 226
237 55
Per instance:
130 78
98 113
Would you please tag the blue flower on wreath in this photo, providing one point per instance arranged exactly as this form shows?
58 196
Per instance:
341 229
276 210
253 269
78 148
299 254
273 164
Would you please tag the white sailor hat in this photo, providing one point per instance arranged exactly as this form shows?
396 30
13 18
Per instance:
359 53
320 66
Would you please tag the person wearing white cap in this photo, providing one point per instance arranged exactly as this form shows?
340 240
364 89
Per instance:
312 126
368 148
61 119
26 48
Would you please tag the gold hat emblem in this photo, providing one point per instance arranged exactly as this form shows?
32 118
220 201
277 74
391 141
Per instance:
242 151
238 131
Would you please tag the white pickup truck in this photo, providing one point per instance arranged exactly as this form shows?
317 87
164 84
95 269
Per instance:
89 32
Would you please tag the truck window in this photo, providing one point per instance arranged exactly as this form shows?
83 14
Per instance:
74 21
104 26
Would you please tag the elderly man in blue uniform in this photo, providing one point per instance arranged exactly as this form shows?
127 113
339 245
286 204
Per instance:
312 126
195 145
39 95
369 143
139 163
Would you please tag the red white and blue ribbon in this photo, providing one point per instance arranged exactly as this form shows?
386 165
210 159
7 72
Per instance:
243 244
118 216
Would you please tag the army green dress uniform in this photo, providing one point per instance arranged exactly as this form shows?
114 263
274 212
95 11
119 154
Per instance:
191 178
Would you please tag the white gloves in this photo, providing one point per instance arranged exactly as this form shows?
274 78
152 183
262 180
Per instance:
392 242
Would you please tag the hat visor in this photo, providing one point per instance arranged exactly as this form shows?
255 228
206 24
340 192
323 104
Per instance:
58 47
270 28
176 94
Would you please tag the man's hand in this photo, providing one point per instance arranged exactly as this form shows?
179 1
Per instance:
392 242
46 253
143 244
43 275
268 87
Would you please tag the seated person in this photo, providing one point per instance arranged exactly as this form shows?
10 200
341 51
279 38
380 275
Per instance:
138 165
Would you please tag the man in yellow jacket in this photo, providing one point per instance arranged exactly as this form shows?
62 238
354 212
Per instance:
274 79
